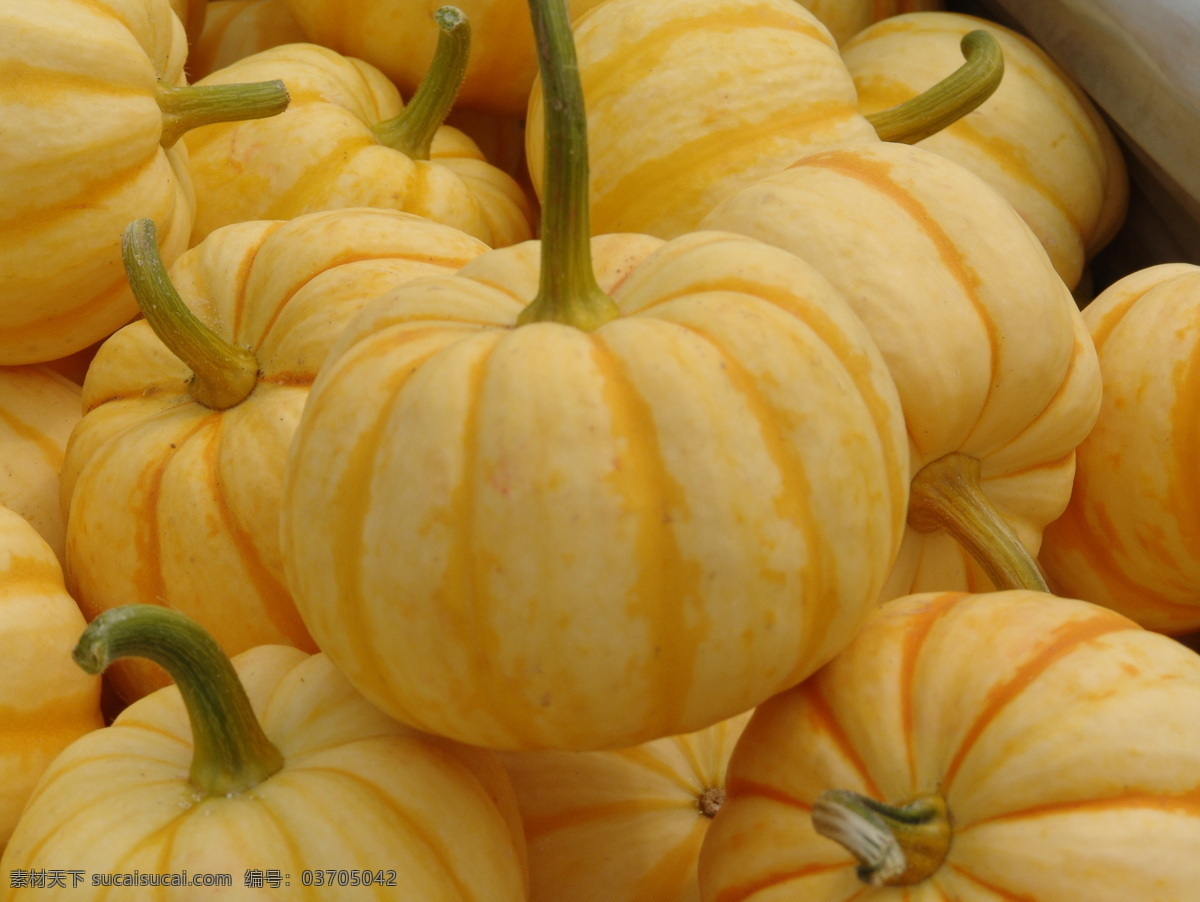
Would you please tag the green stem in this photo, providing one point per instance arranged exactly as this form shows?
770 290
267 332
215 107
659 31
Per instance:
895 845
950 99
230 751
568 292
224 374
189 106
412 131
947 494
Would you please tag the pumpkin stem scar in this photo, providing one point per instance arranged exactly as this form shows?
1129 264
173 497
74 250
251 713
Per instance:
185 107
224 374
230 751
411 132
568 292
711 800
947 494
895 845
950 99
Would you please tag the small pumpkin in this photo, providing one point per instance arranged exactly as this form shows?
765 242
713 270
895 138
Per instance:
623 825
348 140
1038 140
271 761
1130 536
172 478
525 514
235 29
48 703
90 144
1010 745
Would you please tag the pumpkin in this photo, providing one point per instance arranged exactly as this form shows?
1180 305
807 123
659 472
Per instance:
38 410
347 140
271 761
395 36
192 14
172 478
996 371
690 100
622 825
846 18
582 521
90 144
48 703
234 29
1038 140
1128 538
1010 745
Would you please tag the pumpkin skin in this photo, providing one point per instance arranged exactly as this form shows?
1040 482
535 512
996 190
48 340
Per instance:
398 37
542 537
622 825
1062 737
1037 140
320 154
235 29
1128 539
171 502
988 350
38 410
690 100
846 18
357 791
47 701
82 159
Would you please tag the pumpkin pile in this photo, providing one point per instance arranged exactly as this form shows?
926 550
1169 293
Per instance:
604 450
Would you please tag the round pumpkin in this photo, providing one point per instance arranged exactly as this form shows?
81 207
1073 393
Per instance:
47 701
1130 537
1010 745
173 498
1038 140
995 368
271 763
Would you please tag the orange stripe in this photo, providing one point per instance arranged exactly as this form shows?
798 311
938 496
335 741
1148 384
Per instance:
770 881
1184 803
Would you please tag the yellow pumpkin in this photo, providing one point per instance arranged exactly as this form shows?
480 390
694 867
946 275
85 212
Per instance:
1010 745
622 825
234 29
90 144
846 18
1038 140
192 14
327 151
395 36
47 702
996 372
272 763
172 495
523 513
38 410
1130 538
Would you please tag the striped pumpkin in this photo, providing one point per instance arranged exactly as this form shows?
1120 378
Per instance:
1038 140
623 825
1051 746
1130 537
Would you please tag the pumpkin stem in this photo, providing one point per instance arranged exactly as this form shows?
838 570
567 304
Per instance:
230 751
568 292
411 132
224 374
947 494
896 845
950 99
185 107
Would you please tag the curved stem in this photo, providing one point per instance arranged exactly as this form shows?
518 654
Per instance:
189 106
224 374
568 292
895 845
950 99
411 132
230 751
947 494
